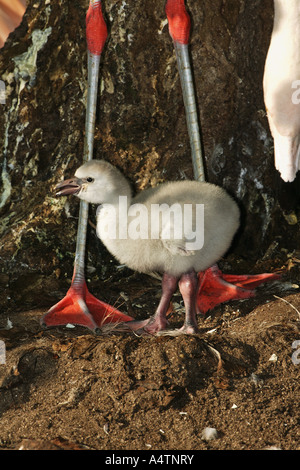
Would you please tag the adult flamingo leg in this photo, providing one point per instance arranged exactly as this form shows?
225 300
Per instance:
214 286
79 306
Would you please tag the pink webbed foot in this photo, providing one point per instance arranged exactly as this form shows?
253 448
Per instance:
80 307
216 288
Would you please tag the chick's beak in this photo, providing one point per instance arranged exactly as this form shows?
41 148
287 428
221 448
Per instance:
70 186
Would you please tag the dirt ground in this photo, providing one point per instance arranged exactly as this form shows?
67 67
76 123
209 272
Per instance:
66 388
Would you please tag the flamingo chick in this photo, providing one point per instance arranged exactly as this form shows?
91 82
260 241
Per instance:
176 229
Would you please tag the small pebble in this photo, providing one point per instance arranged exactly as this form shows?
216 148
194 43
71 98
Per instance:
273 358
209 434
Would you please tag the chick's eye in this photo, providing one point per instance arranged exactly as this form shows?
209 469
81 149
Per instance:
90 180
